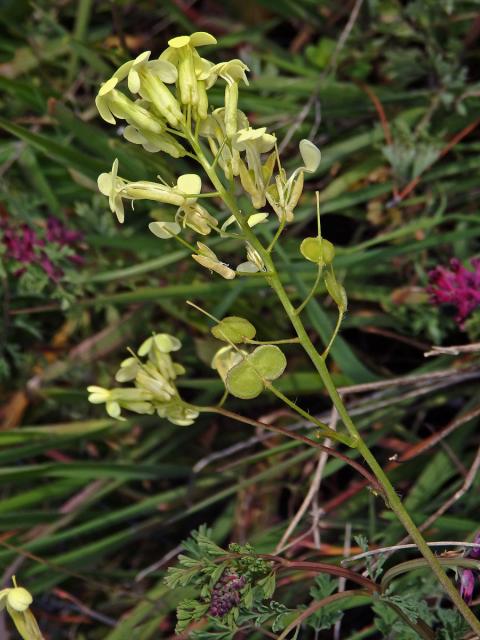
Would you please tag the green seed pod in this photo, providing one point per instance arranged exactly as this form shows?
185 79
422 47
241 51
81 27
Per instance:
234 329
246 380
328 251
318 250
336 291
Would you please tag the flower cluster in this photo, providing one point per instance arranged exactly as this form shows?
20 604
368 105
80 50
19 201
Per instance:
154 389
457 286
168 111
467 576
226 593
24 246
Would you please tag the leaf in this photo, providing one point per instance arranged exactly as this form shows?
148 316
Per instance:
268 585
62 153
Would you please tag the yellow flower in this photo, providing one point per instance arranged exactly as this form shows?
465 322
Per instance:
110 184
192 69
255 176
215 129
284 196
17 601
154 142
137 400
232 72
207 258
148 77
112 104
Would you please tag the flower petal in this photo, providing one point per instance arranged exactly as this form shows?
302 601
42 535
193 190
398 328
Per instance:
107 86
200 38
104 110
311 155
104 182
164 230
133 81
113 409
189 183
166 71
179 42
219 267
19 598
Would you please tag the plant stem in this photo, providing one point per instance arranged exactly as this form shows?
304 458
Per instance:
334 335
299 309
326 432
295 436
391 497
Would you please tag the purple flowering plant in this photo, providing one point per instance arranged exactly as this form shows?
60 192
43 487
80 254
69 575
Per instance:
468 577
47 249
457 287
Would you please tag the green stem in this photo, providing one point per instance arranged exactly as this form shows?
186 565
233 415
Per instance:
184 243
284 341
325 429
392 498
295 436
278 234
334 335
299 309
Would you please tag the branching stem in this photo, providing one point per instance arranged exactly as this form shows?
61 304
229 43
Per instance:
390 495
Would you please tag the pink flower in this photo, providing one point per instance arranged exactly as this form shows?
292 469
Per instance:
467 576
467 585
457 286
23 244
57 232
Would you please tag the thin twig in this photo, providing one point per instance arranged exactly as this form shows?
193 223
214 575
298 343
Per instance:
296 436
454 350
341 581
158 564
312 492
401 547
319 604
331 67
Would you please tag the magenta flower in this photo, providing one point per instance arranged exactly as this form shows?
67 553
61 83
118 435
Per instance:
457 286
467 576
226 594
27 246
57 232
467 585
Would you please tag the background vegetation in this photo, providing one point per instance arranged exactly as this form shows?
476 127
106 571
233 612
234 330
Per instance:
93 510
